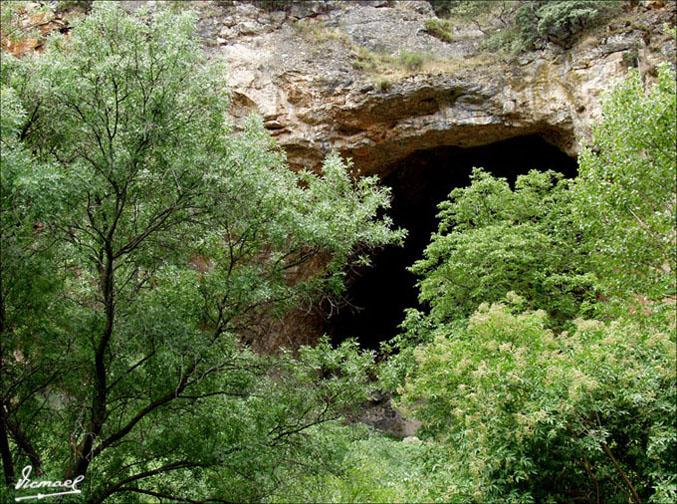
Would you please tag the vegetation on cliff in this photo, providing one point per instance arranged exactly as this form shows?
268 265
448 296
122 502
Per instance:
521 25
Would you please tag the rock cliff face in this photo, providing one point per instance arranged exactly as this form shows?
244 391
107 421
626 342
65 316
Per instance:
366 78
331 75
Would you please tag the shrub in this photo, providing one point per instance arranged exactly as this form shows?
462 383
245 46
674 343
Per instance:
368 468
411 60
525 414
631 58
507 39
529 416
82 5
273 5
493 239
444 7
560 21
364 58
439 29
533 22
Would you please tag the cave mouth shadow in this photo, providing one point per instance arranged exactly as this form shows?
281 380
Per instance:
379 294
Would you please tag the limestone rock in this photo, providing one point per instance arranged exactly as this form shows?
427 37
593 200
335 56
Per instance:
333 76
302 74
367 79
380 414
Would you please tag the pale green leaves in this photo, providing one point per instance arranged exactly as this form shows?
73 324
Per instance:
625 193
516 404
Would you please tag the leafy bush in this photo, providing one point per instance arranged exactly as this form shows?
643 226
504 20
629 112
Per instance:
507 39
369 468
521 25
625 193
273 5
411 60
464 8
560 21
384 85
493 239
439 29
530 416
442 8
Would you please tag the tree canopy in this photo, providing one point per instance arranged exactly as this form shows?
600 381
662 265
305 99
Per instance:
489 239
142 232
625 194
527 400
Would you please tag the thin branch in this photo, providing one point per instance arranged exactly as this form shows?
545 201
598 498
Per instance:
621 472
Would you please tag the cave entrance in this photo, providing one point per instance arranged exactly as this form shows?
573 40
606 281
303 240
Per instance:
379 294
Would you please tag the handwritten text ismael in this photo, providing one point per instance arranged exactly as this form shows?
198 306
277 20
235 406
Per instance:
66 486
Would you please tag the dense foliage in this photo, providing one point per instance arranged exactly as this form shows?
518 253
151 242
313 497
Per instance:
527 24
489 239
539 417
141 233
625 193
528 412
559 22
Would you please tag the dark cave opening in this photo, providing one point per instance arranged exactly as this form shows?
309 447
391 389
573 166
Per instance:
378 295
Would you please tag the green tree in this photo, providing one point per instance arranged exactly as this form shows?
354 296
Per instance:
625 192
493 239
28 283
165 233
560 21
526 414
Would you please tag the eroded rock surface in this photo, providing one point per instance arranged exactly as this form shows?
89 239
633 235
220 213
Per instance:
367 79
301 71
330 75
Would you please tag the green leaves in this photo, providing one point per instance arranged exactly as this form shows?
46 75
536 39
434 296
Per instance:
165 241
560 21
526 414
526 410
493 240
625 193
521 25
